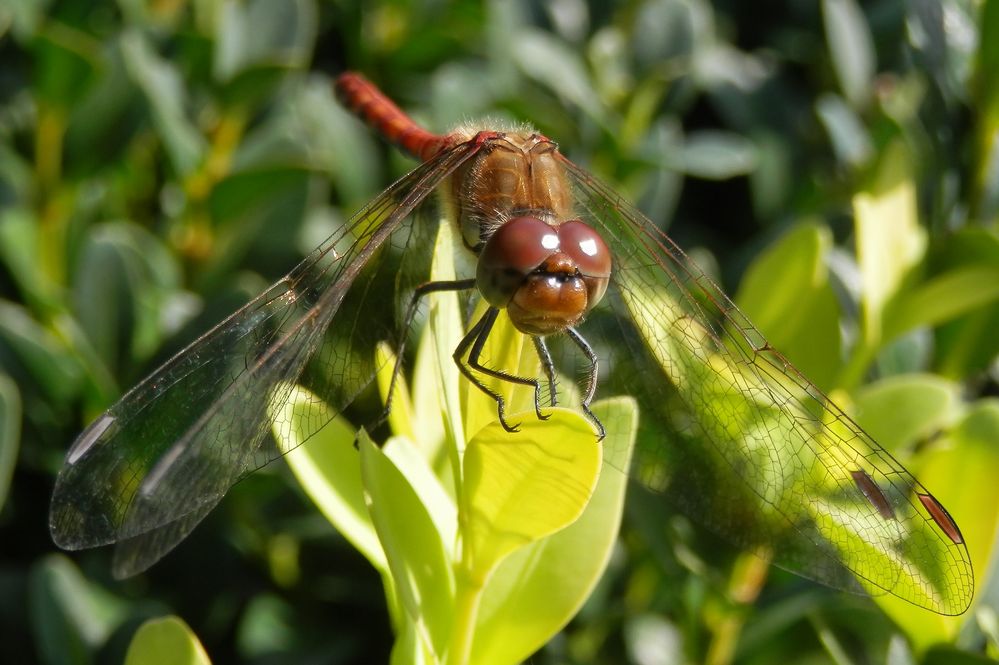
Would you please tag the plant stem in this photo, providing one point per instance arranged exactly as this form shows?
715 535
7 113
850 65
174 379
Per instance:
748 577
468 594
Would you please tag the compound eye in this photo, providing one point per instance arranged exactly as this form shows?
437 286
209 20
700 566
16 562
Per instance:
516 249
585 246
521 244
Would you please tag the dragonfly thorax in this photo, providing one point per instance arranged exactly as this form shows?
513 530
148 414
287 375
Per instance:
513 173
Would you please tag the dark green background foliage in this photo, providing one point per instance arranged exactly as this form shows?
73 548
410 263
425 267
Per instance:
162 162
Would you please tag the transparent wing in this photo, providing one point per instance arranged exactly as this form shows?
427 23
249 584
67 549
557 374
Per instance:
150 468
739 439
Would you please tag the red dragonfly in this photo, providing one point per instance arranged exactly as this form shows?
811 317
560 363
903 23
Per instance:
730 430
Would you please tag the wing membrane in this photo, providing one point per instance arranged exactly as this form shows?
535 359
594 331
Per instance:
149 469
745 443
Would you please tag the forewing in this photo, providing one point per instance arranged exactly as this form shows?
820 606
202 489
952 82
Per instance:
743 442
151 467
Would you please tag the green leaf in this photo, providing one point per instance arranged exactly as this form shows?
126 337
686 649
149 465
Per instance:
417 558
557 66
967 344
10 432
71 617
123 278
261 33
851 49
901 410
664 30
446 329
258 44
525 485
45 358
787 294
400 417
416 468
324 131
850 139
165 641
19 230
935 301
164 90
986 91
267 627
890 241
713 155
66 62
961 472
328 468
948 655
536 590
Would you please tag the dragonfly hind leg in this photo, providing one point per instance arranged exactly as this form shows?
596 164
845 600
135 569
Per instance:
407 324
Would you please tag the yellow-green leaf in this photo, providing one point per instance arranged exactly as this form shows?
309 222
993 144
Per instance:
400 416
520 487
962 476
536 590
417 558
446 328
890 240
328 469
166 641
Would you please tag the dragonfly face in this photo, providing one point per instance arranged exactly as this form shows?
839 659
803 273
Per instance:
730 431
514 210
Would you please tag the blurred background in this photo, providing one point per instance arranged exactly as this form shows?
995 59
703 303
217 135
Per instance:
835 165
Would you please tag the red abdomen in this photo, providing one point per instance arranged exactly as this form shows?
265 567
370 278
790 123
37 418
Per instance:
363 98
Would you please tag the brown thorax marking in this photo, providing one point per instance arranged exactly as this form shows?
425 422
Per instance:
517 174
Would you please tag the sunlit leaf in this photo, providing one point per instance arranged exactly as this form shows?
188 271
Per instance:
536 590
901 410
400 417
961 473
328 468
417 557
446 329
942 298
787 294
166 641
890 241
522 486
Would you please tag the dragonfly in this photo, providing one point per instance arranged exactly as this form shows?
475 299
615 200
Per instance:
730 431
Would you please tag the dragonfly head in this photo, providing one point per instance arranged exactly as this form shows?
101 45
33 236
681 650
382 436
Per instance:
547 276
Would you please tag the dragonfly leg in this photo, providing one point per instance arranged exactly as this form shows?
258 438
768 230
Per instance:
474 342
591 379
414 303
549 367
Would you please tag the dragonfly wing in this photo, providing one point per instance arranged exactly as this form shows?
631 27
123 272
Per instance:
747 445
151 467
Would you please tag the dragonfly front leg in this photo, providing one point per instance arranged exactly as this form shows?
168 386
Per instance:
549 367
473 343
591 380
